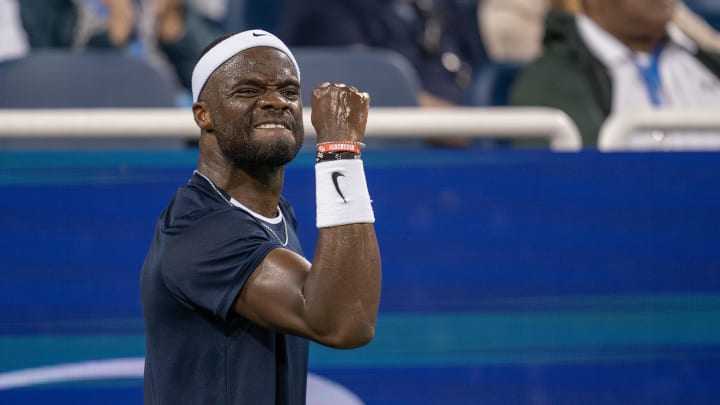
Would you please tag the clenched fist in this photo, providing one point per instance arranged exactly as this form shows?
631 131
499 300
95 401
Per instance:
339 112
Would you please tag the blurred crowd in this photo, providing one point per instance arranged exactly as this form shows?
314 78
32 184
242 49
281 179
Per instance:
168 33
589 58
599 57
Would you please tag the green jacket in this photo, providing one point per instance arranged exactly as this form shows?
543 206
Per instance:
569 77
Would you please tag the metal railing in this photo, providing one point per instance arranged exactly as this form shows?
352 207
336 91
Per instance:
662 130
507 122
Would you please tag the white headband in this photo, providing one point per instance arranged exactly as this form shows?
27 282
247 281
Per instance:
228 48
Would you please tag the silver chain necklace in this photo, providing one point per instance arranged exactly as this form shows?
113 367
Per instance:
230 203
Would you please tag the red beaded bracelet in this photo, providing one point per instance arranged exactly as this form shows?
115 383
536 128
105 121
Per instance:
340 146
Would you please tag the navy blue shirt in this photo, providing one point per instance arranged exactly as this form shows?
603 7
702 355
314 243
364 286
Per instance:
199 351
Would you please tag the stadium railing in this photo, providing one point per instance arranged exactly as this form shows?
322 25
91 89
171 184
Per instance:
659 131
387 122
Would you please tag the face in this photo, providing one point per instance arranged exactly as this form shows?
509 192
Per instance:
254 101
635 18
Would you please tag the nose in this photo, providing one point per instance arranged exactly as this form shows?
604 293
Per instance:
272 98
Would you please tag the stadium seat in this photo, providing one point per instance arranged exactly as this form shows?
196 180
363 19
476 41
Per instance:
245 14
386 75
66 79
235 16
492 83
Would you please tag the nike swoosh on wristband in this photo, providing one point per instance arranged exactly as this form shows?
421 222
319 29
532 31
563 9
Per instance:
335 176
255 34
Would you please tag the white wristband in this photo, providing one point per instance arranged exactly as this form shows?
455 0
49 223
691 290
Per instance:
341 193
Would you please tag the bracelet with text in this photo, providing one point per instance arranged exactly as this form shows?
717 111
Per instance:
340 146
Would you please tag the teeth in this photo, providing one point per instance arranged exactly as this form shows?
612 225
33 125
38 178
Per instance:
271 126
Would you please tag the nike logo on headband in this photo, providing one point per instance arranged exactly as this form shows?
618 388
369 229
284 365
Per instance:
255 34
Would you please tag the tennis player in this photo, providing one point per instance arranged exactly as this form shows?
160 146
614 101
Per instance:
229 301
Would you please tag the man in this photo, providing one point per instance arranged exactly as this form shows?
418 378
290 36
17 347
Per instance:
498 21
229 302
620 55
433 35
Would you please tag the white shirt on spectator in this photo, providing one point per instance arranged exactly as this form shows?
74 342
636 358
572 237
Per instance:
685 82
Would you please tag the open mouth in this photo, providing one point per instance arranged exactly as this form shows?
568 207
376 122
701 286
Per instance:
271 126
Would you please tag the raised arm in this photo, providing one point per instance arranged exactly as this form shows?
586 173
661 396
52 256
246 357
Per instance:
333 301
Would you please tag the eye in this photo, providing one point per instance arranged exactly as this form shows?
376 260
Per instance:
290 93
246 92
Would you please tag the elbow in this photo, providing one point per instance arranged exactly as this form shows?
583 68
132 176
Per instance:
351 338
347 328
359 338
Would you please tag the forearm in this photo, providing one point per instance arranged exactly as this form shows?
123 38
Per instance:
342 290
343 285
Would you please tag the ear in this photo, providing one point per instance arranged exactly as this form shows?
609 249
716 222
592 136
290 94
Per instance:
203 118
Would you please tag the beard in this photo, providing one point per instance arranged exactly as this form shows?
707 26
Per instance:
239 147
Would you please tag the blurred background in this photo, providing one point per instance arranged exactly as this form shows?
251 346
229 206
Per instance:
547 215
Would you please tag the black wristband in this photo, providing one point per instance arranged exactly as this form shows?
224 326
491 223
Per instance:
330 156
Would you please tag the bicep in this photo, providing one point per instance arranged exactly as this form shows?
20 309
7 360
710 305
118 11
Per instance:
273 296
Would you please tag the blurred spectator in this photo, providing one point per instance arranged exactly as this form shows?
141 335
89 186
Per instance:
170 33
432 34
618 55
498 21
13 42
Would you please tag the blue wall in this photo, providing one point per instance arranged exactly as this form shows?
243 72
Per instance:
510 277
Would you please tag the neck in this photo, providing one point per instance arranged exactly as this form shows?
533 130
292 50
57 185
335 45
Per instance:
256 187
641 44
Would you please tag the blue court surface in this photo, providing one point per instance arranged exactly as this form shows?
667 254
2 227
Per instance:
510 277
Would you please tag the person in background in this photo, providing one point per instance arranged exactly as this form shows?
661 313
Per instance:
498 21
170 33
617 56
431 34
